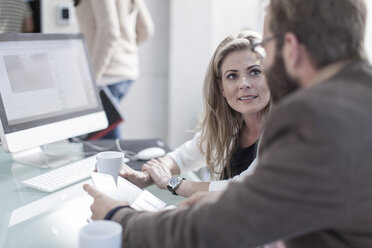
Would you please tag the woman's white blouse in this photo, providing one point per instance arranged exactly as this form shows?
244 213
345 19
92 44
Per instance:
189 158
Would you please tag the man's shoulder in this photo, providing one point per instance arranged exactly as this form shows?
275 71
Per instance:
337 90
335 104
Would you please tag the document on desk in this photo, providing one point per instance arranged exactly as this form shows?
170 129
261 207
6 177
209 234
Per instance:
138 199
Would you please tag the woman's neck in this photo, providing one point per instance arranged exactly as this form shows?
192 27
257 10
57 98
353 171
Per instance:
251 131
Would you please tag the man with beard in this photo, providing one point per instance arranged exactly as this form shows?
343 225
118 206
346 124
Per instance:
313 182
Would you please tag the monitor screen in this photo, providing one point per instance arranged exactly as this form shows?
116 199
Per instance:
47 91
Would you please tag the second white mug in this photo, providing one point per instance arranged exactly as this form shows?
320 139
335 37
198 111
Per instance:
100 234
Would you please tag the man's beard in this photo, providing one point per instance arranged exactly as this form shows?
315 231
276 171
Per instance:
280 83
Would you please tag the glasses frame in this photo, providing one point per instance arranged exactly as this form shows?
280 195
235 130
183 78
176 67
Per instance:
255 48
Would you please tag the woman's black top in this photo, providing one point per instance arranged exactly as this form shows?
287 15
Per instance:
241 160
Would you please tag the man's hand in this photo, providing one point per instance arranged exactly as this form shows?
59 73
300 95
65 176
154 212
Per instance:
102 203
158 171
140 178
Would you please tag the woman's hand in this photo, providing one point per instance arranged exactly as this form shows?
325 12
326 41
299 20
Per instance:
102 203
158 171
140 178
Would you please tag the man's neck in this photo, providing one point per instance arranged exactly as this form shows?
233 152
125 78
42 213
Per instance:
307 75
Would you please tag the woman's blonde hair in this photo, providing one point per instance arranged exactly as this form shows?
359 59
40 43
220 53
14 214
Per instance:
220 125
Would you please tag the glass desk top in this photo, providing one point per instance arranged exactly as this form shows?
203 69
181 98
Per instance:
31 218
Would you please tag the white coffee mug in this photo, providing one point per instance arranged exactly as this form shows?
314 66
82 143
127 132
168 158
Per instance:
110 162
100 234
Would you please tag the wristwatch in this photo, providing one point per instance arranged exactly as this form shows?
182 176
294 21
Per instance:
173 183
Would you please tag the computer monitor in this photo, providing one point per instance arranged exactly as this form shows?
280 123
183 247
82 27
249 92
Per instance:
47 94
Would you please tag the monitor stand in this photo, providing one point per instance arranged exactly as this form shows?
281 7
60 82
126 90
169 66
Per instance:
39 158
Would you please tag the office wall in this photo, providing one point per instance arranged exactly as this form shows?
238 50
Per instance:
233 16
145 106
49 17
190 41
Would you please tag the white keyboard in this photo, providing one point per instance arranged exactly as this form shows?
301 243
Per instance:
64 176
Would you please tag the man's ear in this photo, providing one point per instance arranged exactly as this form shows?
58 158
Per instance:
221 88
292 52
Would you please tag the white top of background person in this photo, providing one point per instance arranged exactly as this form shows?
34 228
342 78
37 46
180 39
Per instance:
113 29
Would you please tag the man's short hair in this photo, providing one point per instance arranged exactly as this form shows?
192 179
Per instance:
331 30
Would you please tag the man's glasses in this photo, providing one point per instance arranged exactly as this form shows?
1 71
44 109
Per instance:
259 48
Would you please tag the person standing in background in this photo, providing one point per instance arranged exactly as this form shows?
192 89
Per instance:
113 29
15 17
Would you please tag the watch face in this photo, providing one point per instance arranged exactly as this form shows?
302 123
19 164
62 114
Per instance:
173 184
173 181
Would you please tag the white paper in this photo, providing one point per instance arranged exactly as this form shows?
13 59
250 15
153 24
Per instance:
138 199
148 202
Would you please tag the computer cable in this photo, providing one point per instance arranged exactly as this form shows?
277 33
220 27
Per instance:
128 154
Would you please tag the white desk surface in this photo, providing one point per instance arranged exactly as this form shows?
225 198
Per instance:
31 218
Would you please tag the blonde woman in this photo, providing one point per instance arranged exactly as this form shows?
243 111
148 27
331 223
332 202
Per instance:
236 99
